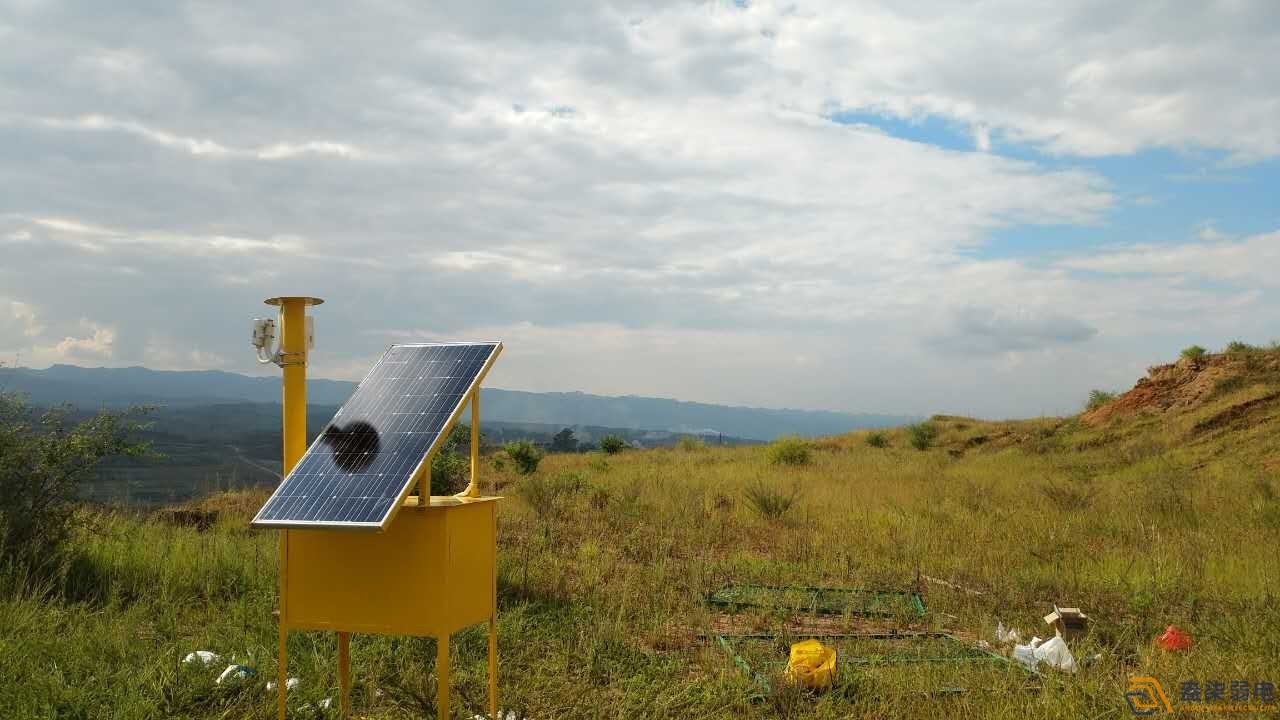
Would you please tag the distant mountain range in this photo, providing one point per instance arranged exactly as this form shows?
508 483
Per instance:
89 388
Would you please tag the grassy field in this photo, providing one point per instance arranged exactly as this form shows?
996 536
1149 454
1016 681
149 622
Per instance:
1145 520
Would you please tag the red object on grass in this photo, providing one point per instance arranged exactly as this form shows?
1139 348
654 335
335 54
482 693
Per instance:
1173 639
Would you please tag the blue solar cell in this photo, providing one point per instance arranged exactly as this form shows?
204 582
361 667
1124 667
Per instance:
364 460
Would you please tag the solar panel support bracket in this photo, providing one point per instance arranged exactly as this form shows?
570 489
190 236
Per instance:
286 359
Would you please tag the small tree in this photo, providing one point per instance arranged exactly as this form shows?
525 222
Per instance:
922 434
790 450
1098 398
43 463
564 441
449 467
612 444
524 455
1194 352
878 439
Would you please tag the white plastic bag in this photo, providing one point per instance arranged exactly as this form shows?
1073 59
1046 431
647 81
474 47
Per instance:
1006 636
1026 655
289 684
235 673
1055 653
204 657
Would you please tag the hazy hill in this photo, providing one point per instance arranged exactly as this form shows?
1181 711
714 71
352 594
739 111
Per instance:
113 387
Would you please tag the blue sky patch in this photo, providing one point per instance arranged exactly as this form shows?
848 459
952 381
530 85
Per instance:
1163 196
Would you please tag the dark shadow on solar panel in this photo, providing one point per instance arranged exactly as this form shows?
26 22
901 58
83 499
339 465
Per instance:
363 460
354 447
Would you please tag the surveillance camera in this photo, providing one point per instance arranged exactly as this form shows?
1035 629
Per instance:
264 332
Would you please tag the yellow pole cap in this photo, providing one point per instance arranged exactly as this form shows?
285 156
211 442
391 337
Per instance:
281 300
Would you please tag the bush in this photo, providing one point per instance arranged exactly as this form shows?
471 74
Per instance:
524 455
689 443
42 465
564 441
922 434
1194 352
769 501
878 439
451 470
789 450
1098 398
612 444
1236 347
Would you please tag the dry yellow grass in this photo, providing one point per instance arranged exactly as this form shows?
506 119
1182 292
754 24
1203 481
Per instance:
1147 521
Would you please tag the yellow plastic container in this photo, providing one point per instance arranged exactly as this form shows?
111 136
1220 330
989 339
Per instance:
812 665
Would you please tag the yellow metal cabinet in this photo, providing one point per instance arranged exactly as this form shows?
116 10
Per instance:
431 572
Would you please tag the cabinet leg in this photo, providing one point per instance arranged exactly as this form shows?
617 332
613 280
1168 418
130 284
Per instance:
282 671
442 677
344 675
493 667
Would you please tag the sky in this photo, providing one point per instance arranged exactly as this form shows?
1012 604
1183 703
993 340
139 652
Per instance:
982 208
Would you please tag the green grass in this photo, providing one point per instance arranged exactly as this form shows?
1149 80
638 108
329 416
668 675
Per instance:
1098 398
1194 352
789 451
921 435
1143 522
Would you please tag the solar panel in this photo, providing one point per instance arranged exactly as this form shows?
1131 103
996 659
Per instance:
361 466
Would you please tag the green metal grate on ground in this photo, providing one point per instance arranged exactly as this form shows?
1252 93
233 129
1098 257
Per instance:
761 656
820 600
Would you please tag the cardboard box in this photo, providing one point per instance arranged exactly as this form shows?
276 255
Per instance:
1068 622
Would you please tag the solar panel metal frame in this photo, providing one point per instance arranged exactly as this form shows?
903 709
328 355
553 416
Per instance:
424 465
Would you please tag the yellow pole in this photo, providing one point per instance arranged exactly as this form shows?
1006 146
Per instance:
293 347
493 623
473 487
293 351
442 676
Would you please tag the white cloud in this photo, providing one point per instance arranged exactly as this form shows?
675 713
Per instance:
281 151
998 330
100 239
98 344
729 362
20 318
164 352
1251 261
197 146
1077 78
71 227
982 138
639 197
